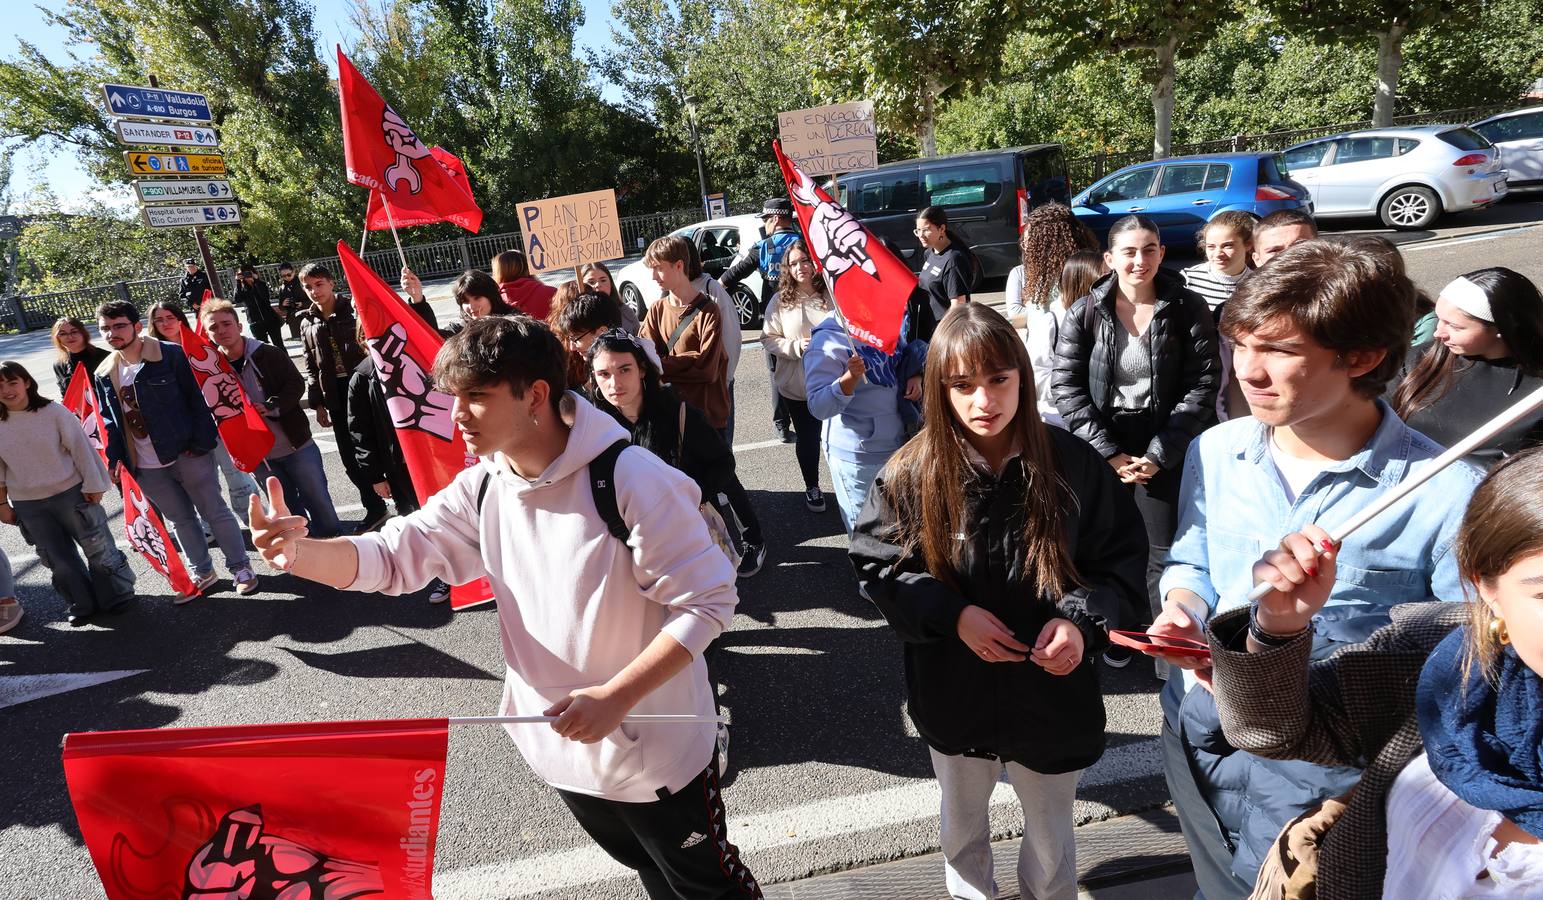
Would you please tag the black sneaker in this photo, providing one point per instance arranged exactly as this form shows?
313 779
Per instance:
786 435
753 557
1117 657
814 498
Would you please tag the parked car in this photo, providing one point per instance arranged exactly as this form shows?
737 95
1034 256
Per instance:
1180 194
988 194
1406 177
1518 135
719 241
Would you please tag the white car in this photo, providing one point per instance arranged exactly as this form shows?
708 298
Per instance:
1519 135
1406 177
719 241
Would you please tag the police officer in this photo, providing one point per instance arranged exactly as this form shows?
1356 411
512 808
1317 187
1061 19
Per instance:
780 230
194 284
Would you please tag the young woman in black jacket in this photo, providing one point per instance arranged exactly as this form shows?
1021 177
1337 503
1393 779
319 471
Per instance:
1136 375
75 348
624 381
998 548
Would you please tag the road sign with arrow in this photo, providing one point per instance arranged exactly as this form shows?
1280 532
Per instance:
166 135
156 103
141 163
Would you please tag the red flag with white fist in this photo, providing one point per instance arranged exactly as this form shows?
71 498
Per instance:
148 536
405 211
242 428
81 400
403 347
311 811
869 283
381 152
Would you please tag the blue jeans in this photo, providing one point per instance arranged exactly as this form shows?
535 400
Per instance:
305 488
184 491
851 478
239 485
56 526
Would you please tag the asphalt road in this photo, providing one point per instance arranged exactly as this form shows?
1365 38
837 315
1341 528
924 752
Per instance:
826 771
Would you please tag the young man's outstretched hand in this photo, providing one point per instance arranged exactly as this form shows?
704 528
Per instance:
276 535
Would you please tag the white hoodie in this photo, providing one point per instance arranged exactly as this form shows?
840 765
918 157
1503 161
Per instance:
575 605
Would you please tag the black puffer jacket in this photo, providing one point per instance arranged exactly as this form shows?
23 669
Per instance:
1016 711
1186 369
326 382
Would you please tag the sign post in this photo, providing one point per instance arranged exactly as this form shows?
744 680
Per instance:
830 140
716 205
567 232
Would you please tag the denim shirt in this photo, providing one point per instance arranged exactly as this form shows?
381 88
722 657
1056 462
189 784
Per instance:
1233 509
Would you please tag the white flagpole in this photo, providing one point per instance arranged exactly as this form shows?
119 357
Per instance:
629 720
1462 448
363 238
394 236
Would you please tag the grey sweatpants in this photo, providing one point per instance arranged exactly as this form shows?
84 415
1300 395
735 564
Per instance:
1047 858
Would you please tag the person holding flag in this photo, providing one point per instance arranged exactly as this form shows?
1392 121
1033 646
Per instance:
781 230
160 429
51 486
629 620
275 387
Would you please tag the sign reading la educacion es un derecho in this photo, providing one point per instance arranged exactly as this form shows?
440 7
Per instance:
830 140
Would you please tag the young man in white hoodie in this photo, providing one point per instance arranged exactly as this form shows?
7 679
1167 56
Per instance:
621 629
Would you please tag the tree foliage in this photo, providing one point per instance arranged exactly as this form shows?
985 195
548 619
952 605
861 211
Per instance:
95 245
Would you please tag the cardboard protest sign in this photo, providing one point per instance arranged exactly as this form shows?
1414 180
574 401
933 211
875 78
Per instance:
830 140
564 232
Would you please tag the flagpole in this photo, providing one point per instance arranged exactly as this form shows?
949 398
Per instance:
394 236
363 238
628 720
1462 448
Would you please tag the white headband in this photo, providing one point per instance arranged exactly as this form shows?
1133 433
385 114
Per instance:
1468 297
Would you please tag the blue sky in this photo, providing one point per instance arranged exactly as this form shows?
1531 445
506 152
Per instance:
43 164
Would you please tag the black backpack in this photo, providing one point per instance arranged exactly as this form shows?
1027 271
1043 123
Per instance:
602 487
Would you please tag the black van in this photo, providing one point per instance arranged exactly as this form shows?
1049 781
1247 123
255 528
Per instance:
987 193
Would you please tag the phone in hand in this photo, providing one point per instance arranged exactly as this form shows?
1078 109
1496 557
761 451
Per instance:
1177 646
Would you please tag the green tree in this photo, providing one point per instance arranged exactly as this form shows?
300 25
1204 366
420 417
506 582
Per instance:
95 245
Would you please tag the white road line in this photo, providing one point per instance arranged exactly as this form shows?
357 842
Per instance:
1439 243
807 823
15 689
758 445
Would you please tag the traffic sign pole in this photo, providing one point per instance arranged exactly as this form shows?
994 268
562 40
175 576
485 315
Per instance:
203 246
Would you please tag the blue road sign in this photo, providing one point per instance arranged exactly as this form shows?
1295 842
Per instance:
156 103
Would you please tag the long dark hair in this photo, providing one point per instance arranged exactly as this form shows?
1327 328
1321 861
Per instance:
938 216
1051 236
787 285
1502 525
927 479
1518 310
1082 269
12 369
657 428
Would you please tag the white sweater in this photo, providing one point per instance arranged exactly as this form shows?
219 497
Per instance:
45 452
575 605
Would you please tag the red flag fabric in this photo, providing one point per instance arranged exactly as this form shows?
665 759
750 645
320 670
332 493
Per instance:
869 283
402 215
246 435
403 347
382 153
81 400
147 535
304 810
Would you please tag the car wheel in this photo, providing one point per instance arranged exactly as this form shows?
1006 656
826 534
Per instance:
749 307
633 298
1409 208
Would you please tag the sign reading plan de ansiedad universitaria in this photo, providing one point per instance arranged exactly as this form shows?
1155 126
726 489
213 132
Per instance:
564 232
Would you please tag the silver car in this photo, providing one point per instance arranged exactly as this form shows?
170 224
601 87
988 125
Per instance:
1519 135
1404 176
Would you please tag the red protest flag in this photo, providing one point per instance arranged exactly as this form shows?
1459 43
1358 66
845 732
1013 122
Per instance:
81 400
148 536
242 428
305 810
382 153
403 347
869 283
405 213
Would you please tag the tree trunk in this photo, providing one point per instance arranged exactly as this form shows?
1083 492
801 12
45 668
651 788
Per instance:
1390 58
927 128
1162 99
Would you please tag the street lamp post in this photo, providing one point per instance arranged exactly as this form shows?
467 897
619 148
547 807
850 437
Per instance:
696 148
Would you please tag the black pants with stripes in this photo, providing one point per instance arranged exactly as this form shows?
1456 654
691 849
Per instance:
678 844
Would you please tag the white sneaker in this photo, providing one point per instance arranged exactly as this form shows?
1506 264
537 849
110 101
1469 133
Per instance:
203 583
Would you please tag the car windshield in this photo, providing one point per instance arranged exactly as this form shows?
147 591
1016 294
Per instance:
1465 139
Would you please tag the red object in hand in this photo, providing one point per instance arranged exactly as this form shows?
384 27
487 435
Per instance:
1155 643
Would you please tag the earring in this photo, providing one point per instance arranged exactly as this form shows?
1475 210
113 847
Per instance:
1497 630
535 421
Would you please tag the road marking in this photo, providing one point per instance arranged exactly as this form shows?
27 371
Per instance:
1438 243
917 800
17 689
758 445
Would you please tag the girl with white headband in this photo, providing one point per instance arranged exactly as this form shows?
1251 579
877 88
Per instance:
1487 352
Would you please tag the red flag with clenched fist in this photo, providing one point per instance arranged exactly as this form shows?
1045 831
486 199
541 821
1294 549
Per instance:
81 400
321 810
382 153
242 428
869 283
405 211
403 347
147 535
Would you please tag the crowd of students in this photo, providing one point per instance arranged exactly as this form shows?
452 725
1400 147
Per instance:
1151 445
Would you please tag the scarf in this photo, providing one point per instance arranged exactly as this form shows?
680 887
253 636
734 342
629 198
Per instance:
1484 740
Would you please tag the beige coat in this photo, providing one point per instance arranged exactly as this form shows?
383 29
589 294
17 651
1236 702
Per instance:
785 334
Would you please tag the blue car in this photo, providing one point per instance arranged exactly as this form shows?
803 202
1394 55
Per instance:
1182 193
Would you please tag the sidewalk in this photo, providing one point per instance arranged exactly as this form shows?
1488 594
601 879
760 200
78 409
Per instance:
1128 857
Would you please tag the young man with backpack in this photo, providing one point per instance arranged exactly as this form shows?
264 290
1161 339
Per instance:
630 619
